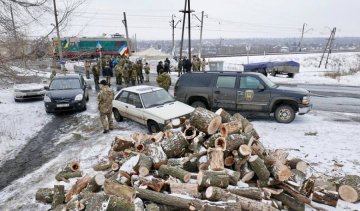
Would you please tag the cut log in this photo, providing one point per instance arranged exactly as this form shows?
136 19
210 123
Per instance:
307 187
326 197
249 129
92 201
243 120
213 178
248 192
144 165
191 165
185 189
280 155
218 194
234 176
298 177
102 167
246 174
127 168
258 149
96 183
196 146
77 187
349 189
190 133
245 150
225 116
160 207
216 159
258 166
117 203
153 183
205 120
125 192
280 171
157 137
139 204
210 142
229 128
115 166
157 155
290 202
59 196
175 146
203 163
45 195
234 141
176 172
298 164
75 205
115 156
66 175
121 143
139 147
220 143
72 166
266 183
229 161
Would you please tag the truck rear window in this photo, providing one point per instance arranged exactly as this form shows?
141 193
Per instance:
198 80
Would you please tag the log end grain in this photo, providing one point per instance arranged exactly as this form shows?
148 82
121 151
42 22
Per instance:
348 193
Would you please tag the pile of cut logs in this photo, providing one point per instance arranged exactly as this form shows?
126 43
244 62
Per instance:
211 161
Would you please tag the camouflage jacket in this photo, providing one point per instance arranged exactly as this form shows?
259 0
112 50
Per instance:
118 69
134 72
105 98
164 81
96 70
147 69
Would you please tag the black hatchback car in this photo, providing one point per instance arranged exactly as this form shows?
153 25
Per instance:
66 92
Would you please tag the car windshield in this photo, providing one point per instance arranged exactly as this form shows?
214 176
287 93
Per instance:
268 82
156 98
65 83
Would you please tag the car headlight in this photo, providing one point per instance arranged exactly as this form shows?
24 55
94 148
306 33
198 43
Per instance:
306 100
47 99
79 97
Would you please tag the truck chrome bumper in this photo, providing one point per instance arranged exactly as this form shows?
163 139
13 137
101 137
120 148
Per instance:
304 110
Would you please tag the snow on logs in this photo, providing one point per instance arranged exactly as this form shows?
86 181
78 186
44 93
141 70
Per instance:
211 161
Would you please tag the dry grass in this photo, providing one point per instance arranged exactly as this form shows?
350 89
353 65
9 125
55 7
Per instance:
338 74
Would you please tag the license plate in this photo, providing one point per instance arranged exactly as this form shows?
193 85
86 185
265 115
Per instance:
62 105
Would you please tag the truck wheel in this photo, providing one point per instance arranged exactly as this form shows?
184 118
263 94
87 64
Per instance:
273 74
196 104
117 115
291 75
284 114
153 127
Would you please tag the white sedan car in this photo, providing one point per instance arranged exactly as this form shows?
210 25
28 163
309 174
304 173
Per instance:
28 92
148 105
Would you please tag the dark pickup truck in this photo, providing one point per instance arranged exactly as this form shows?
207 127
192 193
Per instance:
248 93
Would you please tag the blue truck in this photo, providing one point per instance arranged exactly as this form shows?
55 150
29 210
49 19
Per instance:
289 68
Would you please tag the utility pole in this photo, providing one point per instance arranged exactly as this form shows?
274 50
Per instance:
183 30
173 26
188 11
13 21
127 33
58 36
201 31
302 36
328 47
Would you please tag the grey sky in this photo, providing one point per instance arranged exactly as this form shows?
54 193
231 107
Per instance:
149 19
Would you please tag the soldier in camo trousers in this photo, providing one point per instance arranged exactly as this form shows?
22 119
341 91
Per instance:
105 98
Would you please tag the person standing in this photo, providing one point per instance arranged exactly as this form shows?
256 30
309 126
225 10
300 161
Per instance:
96 73
105 98
118 73
203 64
160 68
139 76
180 68
188 65
126 72
108 72
164 81
133 74
147 72
87 68
167 65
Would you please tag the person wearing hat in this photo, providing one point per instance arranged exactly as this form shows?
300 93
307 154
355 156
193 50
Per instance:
105 98
160 68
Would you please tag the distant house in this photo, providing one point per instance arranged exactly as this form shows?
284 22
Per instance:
284 49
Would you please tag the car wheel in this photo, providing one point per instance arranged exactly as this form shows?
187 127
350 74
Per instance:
284 114
153 127
84 108
117 116
196 104
291 75
17 100
273 73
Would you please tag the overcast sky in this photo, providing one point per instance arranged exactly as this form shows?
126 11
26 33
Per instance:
149 19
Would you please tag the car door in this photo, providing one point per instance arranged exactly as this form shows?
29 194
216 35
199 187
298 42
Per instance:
224 92
134 108
252 95
121 104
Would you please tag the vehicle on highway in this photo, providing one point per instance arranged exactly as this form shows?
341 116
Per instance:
289 68
245 92
30 91
66 92
148 105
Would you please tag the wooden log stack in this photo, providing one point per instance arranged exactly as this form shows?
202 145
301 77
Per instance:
211 161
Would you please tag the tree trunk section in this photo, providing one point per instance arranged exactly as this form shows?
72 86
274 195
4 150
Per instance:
179 173
45 195
102 167
258 149
326 197
220 143
190 133
248 192
205 120
157 154
66 175
118 203
258 166
229 161
225 116
72 166
185 189
96 183
280 171
245 150
216 158
234 141
290 202
244 121
94 201
144 165
210 142
213 178
234 176
59 196
349 189
298 164
157 137
229 128
121 143
77 187
125 192
307 187
175 146
153 183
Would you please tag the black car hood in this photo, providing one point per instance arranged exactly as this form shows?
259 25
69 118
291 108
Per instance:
293 90
64 94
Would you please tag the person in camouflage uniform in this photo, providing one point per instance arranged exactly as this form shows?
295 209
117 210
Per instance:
105 98
53 74
147 72
139 74
96 73
118 73
126 74
203 64
164 81
87 68
134 72
180 67
103 64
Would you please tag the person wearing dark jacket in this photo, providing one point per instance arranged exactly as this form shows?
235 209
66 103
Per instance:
160 68
188 65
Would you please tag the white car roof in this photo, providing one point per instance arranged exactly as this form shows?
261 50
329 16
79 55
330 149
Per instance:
141 89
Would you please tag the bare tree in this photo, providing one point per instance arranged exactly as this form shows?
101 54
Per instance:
19 16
